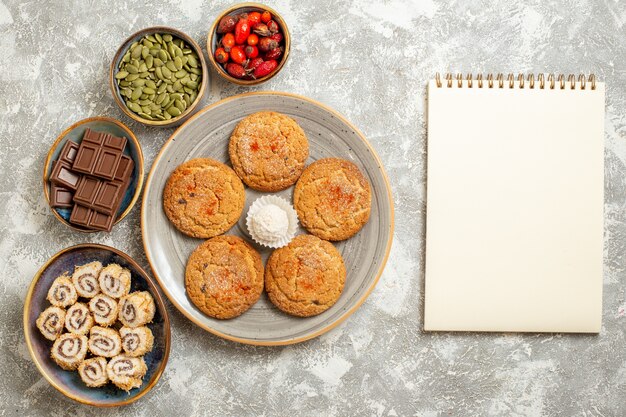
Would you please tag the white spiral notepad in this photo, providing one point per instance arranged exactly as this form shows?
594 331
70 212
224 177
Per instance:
515 195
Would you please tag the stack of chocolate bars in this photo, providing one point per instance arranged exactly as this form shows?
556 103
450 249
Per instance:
91 178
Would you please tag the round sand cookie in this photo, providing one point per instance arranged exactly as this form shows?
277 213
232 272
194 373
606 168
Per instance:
333 199
224 277
306 277
268 151
203 198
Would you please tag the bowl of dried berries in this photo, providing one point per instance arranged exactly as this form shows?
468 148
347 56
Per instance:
248 44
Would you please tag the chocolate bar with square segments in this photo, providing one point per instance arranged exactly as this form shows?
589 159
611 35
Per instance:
69 152
114 142
124 169
62 174
61 197
101 221
87 190
81 215
107 162
93 137
86 158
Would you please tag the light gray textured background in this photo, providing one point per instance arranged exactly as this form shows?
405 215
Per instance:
370 61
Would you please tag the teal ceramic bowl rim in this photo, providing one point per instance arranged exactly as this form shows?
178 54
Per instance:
160 306
139 166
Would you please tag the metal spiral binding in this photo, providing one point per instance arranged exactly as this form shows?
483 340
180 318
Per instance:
523 81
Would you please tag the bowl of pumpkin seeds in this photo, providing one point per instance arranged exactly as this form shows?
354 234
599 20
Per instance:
158 76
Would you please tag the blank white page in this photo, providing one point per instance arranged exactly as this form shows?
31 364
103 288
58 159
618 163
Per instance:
515 195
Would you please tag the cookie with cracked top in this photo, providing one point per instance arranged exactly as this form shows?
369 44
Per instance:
306 277
224 277
333 199
268 151
203 198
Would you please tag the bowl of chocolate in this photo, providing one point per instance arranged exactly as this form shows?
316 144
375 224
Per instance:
158 76
93 174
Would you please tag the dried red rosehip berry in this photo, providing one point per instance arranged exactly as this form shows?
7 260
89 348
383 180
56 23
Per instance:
253 39
253 63
265 68
266 17
267 44
221 55
242 31
261 29
278 37
254 18
251 51
274 53
237 54
227 24
236 70
272 26
228 41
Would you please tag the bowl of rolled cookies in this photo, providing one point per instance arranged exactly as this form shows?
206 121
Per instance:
96 326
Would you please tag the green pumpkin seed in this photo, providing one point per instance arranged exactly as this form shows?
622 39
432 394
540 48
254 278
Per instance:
181 74
178 86
187 90
160 98
121 74
143 67
196 71
145 116
159 73
162 55
171 66
174 111
145 51
139 83
165 101
187 51
147 42
148 90
167 37
192 61
135 52
137 92
192 84
160 117
151 84
132 77
166 71
149 61
158 37
158 62
126 58
161 88
131 69
178 63
167 116
134 106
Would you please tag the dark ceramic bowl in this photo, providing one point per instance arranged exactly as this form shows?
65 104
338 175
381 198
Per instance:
213 39
174 121
69 382
75 133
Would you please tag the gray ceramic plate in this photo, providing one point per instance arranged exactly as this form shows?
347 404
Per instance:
206 134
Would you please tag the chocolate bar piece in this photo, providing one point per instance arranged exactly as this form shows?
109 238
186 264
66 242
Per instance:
60 196
99 154
68 152
102 196
124 169
63 175
101 221
81 215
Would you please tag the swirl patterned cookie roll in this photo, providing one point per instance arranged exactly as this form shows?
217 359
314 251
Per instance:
104 309
85 279
62 292
104 342
50 322
136 309
78 320
136 341
93 371
126 372
69 350
114 281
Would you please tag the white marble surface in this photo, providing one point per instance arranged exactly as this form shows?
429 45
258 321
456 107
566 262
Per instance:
370 61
